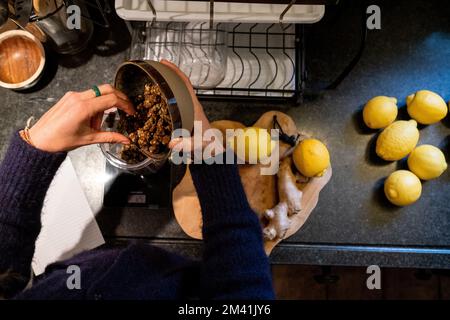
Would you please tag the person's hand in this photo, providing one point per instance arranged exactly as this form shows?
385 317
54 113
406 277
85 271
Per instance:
185 144
199 114
76 119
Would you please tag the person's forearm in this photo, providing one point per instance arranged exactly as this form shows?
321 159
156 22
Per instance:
25 175
235 265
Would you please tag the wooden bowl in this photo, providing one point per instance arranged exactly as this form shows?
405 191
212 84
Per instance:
22 59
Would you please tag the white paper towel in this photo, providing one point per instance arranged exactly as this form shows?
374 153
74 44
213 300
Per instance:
68 223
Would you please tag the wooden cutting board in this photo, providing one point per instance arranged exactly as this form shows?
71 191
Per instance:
261 190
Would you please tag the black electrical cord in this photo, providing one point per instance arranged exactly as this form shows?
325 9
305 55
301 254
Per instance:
359 54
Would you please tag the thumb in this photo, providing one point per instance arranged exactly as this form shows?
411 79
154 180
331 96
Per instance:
174 142
110 137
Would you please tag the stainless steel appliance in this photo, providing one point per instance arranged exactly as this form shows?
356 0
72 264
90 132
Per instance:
50 21
51 16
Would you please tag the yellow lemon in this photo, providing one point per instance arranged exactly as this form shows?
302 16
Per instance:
426 107
427 162
311 158
397 140
402 188
252 144
379 112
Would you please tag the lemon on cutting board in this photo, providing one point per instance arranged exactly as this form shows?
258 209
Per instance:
311 158
256 144
427 162
397 140
426 107
380 111
402 188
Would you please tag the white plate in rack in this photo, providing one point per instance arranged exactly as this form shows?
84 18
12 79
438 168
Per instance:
139 10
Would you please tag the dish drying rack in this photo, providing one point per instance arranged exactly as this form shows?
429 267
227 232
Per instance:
245 59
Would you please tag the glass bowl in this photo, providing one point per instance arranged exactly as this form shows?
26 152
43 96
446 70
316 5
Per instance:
131 78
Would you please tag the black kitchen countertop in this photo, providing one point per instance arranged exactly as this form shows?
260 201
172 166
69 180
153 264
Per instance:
353 223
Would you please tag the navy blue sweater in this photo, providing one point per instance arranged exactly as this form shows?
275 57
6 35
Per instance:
234 265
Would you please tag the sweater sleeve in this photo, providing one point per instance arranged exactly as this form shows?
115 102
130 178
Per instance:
235 265
25 176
